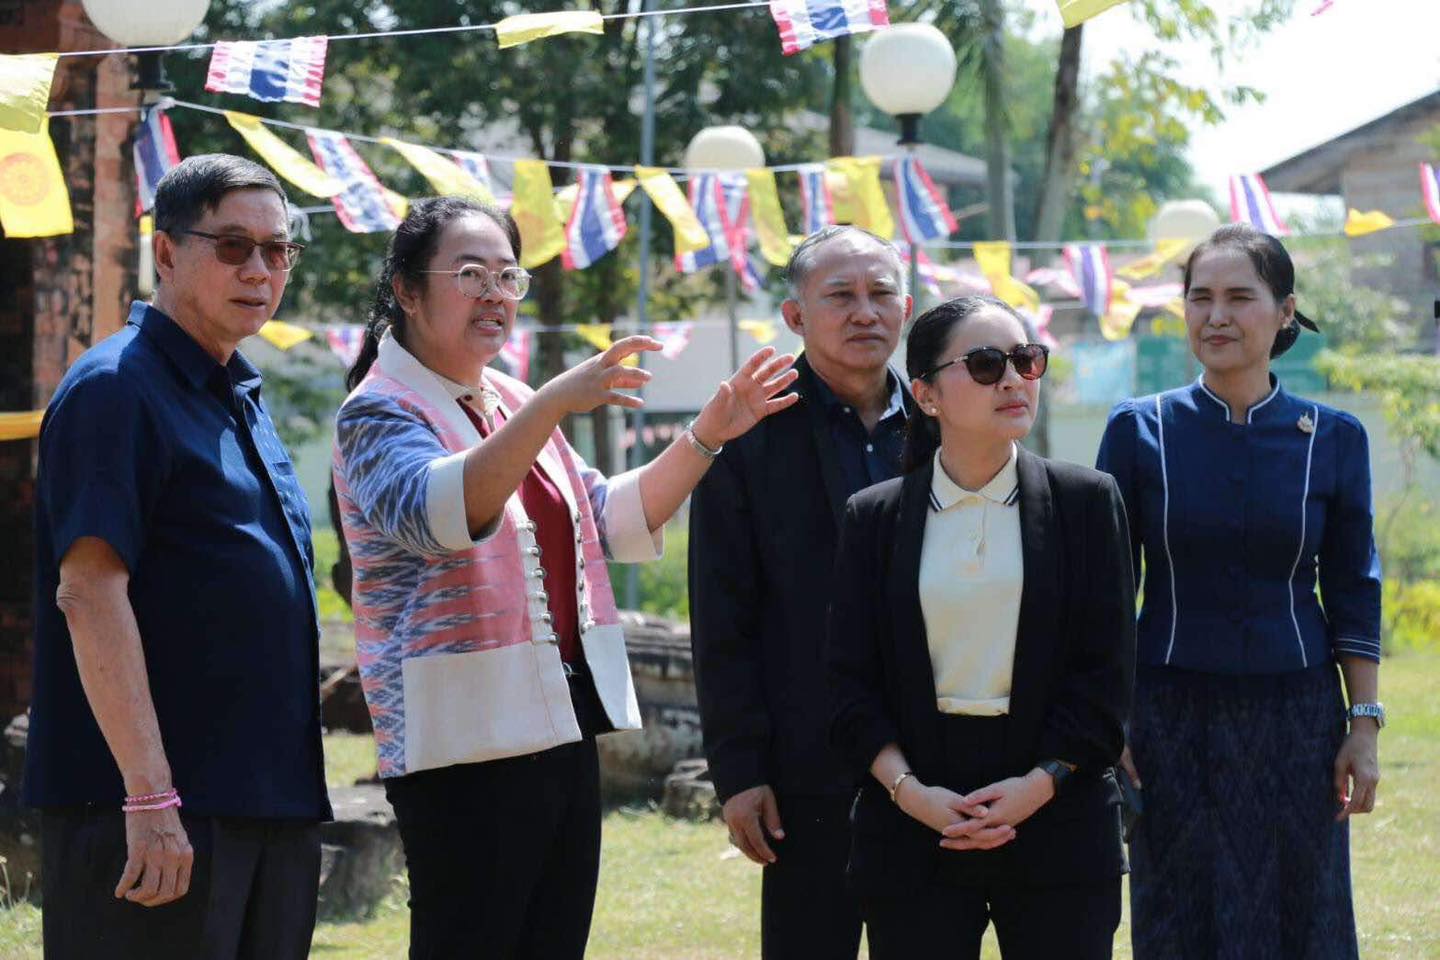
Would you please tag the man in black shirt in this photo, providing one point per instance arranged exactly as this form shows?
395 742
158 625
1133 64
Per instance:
763 528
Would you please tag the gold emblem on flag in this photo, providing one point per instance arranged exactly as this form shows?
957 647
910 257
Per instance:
23 179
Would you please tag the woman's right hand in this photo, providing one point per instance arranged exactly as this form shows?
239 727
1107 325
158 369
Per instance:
1127 763
939 808
600 379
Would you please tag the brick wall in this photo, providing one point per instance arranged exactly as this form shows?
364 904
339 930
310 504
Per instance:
62 293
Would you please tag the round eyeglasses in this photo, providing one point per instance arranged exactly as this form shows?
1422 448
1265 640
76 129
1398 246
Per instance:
987 364
474 281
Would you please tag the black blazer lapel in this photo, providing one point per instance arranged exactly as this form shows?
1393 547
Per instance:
1035 638
824 439
911 643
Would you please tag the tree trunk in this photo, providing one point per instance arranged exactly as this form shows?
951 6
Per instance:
997 132
842 121
1060 141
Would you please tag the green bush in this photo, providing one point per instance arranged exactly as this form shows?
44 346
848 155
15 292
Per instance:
663 584
1411 615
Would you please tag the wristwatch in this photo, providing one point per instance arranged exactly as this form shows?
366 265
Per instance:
699 447
1058 770
1375 711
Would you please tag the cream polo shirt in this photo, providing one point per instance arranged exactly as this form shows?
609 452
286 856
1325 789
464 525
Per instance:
971 574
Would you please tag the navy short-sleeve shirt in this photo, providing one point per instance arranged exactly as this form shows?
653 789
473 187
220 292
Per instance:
171 458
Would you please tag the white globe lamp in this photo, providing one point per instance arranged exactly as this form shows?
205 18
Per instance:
907 70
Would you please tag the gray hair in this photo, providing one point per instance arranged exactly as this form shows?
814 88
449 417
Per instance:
803 259
198 184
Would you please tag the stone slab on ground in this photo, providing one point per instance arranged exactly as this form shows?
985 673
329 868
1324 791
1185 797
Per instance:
362 860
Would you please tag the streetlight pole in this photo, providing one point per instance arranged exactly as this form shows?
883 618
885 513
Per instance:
642 298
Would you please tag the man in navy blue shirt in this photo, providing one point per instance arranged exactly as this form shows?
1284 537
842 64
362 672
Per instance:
763 530
176 629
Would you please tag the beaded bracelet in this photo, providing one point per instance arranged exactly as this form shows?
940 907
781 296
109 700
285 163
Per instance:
151 801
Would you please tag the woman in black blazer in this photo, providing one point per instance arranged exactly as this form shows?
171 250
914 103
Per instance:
981 659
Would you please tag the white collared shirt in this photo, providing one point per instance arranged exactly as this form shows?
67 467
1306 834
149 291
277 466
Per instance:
971 574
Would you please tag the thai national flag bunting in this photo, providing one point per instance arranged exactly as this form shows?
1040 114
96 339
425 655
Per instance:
478 167
597 224
803 23
1250 203
674 338
1430 189
1089 264
155 153
924 215
929 276
361 205
345 340
707 199
269 70
516 353
815 195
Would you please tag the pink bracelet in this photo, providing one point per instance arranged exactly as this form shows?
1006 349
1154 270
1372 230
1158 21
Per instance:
154 801
148 797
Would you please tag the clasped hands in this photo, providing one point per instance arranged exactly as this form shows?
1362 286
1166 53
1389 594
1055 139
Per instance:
982 819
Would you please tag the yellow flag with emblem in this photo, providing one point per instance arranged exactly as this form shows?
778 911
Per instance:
25 90
444 174
690 235
1116 324
284 159
34 201
868 207
775 242
542 236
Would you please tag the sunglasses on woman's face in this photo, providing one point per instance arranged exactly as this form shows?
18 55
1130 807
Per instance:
987 364
234 249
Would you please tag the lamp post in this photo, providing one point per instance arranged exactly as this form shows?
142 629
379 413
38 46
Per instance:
907 70
726 148
155 23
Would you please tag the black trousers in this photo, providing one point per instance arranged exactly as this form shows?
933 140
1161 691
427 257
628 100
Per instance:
504 856
252 891
1073 921
806 907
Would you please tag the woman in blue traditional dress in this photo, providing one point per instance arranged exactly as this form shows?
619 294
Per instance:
1241 496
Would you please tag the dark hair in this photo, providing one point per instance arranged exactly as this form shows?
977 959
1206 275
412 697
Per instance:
804 253
197 184
924 349
407 257
1272 264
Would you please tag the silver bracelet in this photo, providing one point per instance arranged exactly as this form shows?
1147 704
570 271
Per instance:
700 448
895 785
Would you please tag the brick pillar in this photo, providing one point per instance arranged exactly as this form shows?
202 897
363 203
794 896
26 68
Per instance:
62 293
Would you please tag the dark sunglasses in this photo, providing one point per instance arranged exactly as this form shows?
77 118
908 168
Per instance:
233 249
987 364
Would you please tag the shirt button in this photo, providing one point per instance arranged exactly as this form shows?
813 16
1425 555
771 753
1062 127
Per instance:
869 448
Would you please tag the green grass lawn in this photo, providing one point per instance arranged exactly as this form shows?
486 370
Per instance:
674 890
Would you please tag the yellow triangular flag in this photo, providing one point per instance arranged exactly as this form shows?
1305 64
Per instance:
33 199
993 259
284 159
1076 12
762 330
513 31
398 205
595 334
1116 324
769 217
1358 224
25 90
282 335
1165 251
444 174
21 426
542 236
662 189
868 206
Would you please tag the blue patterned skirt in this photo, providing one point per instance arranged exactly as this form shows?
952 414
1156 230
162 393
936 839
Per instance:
1238 854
